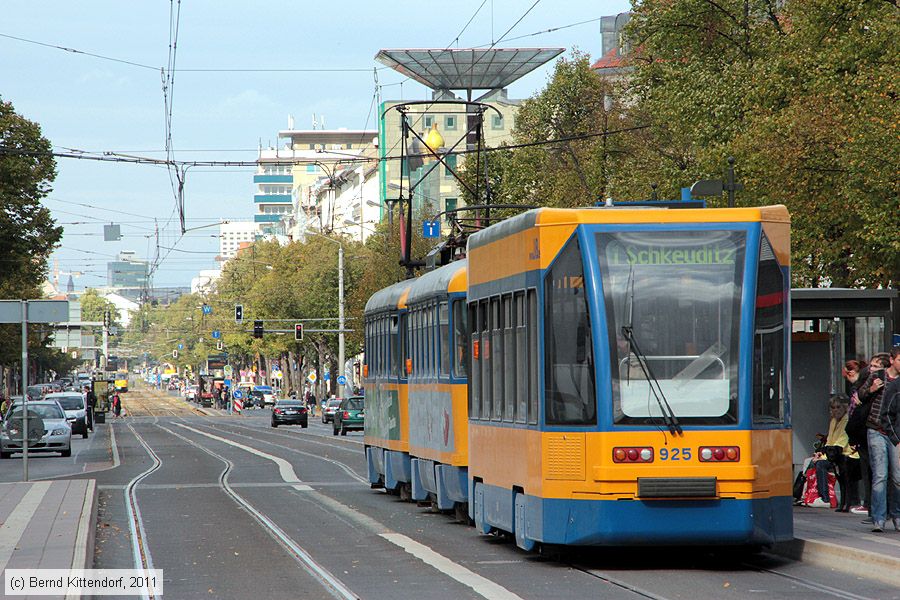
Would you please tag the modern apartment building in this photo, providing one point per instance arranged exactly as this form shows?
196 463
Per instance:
233 234
289 178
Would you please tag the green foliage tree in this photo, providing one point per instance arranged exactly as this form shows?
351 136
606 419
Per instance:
803 94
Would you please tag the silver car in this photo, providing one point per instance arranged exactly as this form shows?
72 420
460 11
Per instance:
76 413
55 433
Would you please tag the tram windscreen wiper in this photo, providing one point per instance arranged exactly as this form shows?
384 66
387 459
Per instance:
669 417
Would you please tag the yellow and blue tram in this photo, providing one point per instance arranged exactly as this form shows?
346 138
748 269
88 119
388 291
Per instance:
628 375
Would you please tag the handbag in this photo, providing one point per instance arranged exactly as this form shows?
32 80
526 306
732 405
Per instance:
811 493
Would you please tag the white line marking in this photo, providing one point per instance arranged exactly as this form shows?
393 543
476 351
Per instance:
114 446
483 587
139 547
12 529
284 467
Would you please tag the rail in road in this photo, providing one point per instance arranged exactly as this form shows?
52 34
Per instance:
205 492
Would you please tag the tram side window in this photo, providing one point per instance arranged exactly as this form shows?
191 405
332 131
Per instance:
444 321
486 356
404 349
768 339
475 353
460 340
569 394
394 347
521 361
509 360
496 359
432 341
533 393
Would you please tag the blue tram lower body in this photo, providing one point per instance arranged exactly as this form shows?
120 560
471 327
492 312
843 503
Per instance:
388 467
447 483
762 521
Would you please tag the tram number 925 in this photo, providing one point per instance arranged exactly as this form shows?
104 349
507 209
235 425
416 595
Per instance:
674 454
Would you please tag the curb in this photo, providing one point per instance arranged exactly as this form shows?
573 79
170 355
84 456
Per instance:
842 558
83 557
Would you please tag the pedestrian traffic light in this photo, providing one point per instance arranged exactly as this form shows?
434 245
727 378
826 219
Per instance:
106 320
238 313
298 332
257 329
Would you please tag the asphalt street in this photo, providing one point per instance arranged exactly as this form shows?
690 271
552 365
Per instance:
229 507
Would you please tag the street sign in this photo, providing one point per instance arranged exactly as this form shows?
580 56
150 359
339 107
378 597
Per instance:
431 229
207 309
342 380
181 346
39 311
174 353
278 375
226 383
238 313
326 376
237 394
229 370
219 345
311 377
216 334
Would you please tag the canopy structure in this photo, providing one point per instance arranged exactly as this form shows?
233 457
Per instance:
468 68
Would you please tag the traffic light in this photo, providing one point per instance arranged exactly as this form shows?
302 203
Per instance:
257 329
238 313
106 320
298 332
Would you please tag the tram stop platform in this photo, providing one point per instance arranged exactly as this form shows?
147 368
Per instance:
47 525
842 542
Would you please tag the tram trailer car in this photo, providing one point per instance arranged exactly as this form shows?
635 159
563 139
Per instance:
628 378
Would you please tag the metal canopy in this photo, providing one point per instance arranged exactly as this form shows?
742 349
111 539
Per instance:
466 69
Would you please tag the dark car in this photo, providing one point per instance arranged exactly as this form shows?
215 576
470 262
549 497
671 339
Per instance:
350 415
289 412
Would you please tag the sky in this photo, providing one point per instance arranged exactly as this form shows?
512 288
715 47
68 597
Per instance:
240 69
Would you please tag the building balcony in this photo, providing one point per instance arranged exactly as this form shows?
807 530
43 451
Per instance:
267 218
273 198
273 179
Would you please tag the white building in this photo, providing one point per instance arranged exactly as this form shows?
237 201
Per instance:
288 177
349 204
232 235
205 281
124 306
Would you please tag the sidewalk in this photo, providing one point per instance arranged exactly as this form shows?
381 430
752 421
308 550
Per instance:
840 541
47 525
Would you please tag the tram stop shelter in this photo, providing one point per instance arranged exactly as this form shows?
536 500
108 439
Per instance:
829 327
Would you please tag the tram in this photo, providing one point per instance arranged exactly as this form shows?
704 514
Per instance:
627 377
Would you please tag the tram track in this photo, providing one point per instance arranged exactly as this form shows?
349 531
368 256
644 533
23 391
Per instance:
140 550
329 581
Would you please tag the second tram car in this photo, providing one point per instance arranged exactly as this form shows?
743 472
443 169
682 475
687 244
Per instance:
628 377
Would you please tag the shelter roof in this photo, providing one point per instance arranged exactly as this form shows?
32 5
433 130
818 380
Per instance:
466 68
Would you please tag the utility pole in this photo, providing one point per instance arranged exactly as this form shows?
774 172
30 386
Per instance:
341 314
25 389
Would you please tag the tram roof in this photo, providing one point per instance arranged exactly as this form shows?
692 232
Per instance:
388 298
622 214
438 282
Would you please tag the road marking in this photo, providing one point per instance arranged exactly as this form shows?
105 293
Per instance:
284 467
482 586
12 529
140 549
114 446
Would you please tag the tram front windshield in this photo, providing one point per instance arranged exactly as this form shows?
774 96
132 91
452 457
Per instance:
679 293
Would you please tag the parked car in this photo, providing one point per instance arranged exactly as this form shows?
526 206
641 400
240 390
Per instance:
76 414
57 435
350 415
329 408
289 412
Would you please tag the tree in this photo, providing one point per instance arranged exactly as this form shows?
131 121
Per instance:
803 94
27 231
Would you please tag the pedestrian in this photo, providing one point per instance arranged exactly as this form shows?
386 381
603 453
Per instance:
117 405
855 372
883 436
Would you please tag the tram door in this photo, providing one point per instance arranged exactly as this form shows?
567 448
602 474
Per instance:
810 391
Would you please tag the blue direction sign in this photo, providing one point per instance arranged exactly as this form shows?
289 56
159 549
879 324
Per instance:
342 380
326 376
237 394
431 229
227 383
216 334
181 346
207 309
